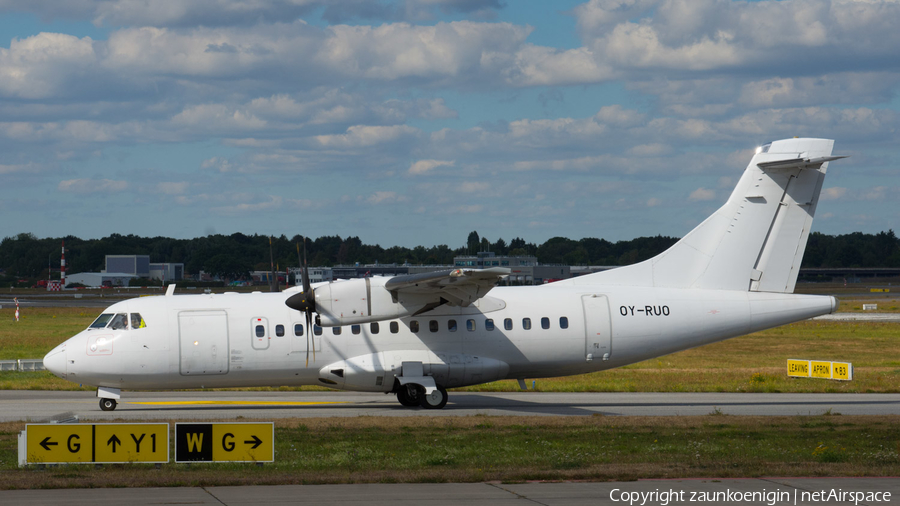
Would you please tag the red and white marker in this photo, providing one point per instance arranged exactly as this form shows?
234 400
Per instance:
62 266
17 308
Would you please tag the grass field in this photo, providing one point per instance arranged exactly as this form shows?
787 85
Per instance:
474 449
753 363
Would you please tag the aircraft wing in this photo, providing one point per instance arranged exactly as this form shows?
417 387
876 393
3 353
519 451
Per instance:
456 287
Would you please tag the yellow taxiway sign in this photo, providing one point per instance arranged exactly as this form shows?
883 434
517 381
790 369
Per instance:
225 442
102 443
820 369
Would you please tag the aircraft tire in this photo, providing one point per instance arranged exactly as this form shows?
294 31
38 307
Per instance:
405 399
436 400
107 404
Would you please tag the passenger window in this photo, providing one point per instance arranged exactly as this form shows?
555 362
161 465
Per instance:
470 325
545 323
489 324
373 328
317 330
120 321
433 325
336 331
451 325
526 323
137 322
507 324
101 321
298 330
414 326
279 330
395 327
355 329
563 322
260 331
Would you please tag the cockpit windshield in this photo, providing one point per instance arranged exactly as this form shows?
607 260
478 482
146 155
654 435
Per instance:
101 321
120 321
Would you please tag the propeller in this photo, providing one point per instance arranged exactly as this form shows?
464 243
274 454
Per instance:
305 302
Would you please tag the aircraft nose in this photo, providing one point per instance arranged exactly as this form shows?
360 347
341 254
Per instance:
55 361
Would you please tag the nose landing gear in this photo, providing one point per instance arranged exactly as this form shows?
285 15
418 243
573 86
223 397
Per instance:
108 397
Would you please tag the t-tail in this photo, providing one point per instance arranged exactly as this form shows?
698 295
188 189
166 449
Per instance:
754 242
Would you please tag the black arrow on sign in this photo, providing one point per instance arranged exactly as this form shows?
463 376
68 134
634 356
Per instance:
114 440
46 443
255 442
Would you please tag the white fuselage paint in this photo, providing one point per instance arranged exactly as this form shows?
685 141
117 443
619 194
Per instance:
623 325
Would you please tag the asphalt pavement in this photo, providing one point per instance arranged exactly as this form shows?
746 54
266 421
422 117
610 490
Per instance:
38 406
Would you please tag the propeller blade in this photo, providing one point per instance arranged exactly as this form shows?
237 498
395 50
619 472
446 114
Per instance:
308 330
305 301
306 284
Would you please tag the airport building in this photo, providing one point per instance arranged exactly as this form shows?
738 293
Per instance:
98 279
140 267
137 265
167 272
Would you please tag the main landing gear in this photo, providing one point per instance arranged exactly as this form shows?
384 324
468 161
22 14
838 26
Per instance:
410 395
107 404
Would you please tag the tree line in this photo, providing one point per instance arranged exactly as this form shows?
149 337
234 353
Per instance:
233 256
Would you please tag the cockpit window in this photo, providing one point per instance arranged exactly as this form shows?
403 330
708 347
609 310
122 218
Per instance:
137 322
101 321
120 321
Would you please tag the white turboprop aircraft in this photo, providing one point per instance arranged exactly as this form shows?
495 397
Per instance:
417 335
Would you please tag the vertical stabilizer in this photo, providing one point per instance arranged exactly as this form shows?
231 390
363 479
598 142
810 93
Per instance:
756 240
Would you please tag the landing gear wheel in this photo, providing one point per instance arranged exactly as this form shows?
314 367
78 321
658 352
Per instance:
409 396
107 404
437 399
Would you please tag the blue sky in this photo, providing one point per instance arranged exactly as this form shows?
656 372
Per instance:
416 121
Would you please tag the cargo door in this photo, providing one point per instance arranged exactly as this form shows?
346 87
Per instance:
597 330
203 342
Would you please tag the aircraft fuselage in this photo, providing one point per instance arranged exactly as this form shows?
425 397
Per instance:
241 340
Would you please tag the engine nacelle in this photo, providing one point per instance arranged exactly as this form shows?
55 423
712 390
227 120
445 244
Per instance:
376 372
361 301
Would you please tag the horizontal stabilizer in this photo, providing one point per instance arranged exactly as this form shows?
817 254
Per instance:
798 163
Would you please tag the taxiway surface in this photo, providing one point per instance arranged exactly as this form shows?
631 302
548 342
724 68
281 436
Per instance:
39 406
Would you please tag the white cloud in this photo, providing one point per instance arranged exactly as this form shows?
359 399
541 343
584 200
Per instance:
732 36
360 136
251 204
425 166
833 193
384 197
616 115
43 65
217 116
92 186
217 163
702 194
172 187
246 12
